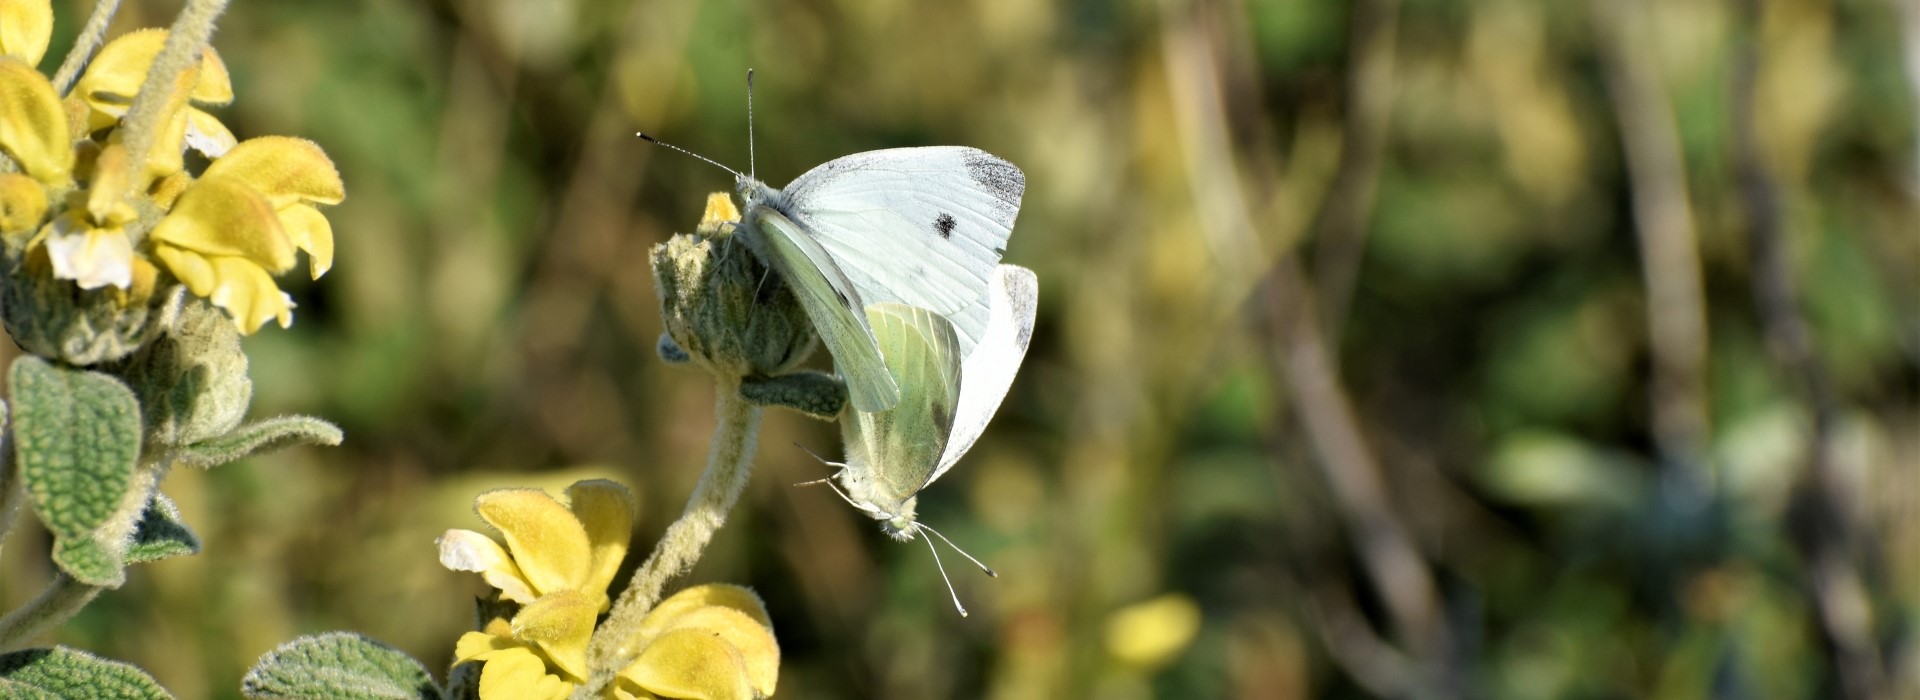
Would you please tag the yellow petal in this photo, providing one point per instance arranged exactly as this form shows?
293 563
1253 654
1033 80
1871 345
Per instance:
624 689
25 28
168 190
116 73
520 675
546 540
192 269
287 170
22 203
759 652
720 212
222 217
108 187
91 257
692 664
308 229
606 510
561 623
207 135
33 125
248 294
479 646
662 616
466 550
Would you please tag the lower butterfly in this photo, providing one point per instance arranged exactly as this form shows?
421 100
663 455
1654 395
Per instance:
945 404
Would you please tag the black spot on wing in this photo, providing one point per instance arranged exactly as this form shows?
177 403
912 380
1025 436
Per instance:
943 225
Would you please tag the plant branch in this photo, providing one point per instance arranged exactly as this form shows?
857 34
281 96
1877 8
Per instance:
729 463
91 36
1663 219
1340 230
186 41
62 598
1839 593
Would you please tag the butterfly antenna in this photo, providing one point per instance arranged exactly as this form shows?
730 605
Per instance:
657 142
976 562
753 169
943 577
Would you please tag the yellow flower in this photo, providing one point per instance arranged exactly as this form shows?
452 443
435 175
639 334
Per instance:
115 77
25 28
241 222
557 563
713 642
1151 634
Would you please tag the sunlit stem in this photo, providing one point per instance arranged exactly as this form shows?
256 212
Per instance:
729 462
186 41
91 36
62 598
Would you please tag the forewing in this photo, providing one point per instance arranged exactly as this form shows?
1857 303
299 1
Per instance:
900 447
812 275
988 372
919 226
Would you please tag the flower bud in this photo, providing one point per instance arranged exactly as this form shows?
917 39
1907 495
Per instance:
724 309
192 381
55 319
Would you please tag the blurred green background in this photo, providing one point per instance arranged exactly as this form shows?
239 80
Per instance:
1345 340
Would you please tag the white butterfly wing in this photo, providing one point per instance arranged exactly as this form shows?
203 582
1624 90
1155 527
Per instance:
988 372
830 302
891 452
919 226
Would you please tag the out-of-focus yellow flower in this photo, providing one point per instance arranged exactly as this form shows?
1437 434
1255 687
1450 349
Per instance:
1150 634
557 563
115 76
25 28
231 230
713 642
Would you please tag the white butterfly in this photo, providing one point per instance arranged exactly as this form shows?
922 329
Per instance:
922 227
945 403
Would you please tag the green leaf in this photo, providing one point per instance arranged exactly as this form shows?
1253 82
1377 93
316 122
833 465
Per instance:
66 673
259 436
161 534
815 394
338 666
77 440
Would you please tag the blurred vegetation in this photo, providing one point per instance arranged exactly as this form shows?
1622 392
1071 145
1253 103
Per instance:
1347 381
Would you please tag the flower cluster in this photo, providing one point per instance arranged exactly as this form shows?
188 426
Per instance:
77 207
712 641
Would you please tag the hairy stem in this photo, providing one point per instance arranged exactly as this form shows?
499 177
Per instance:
186 40
63 597
13 491
91 36
729 462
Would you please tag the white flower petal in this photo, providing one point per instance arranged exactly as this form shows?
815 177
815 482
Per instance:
92 259
466 550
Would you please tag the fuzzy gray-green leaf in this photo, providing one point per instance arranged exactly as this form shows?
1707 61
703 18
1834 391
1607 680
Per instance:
77 441
161 534
815 394
338 666
259 436
60 672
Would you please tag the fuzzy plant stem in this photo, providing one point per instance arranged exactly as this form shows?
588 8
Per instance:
186 40
84 45
729 462
13 491
63 597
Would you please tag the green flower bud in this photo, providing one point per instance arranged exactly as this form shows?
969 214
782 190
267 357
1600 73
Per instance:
727 312
192 381
56 319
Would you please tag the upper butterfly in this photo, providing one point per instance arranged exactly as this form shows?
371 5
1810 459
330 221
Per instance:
923 227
